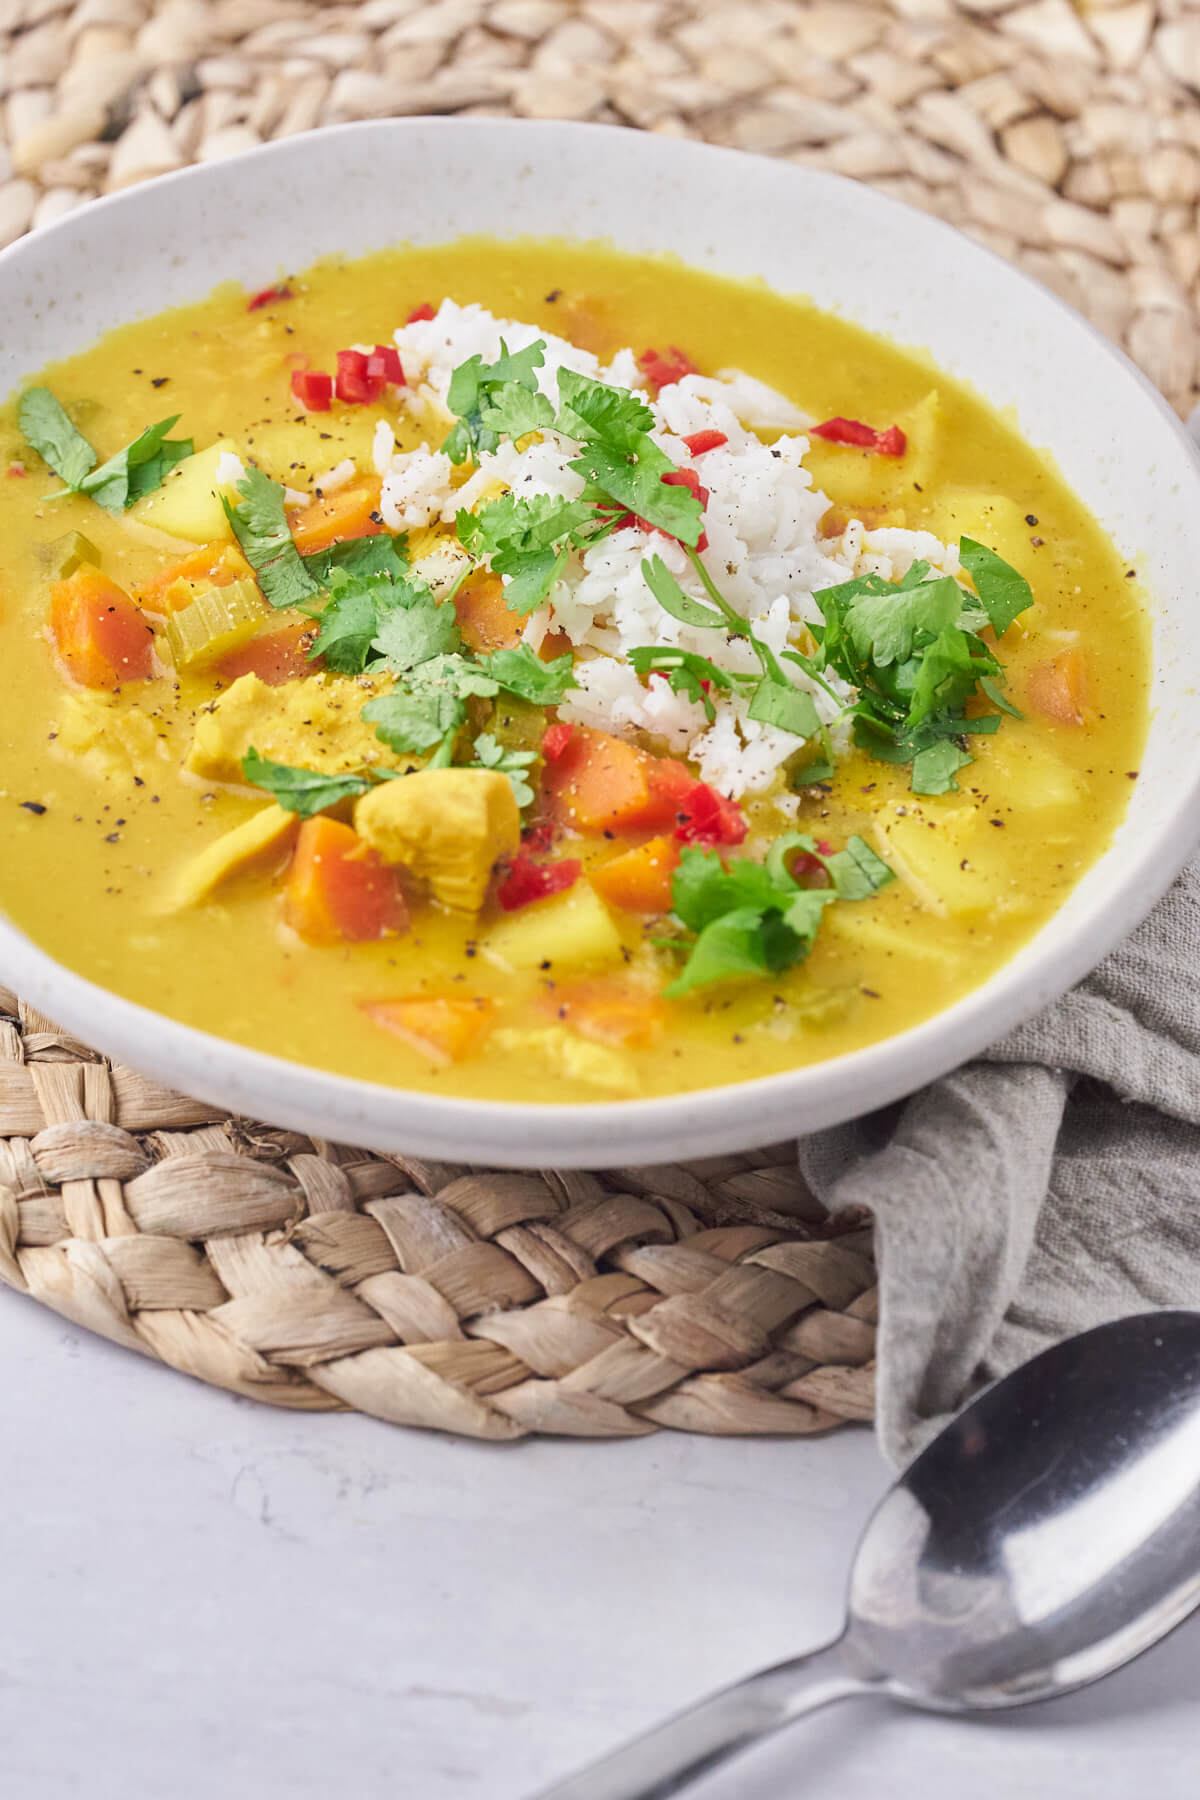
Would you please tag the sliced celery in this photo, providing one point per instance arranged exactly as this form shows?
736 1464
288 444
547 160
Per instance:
217 620
69 553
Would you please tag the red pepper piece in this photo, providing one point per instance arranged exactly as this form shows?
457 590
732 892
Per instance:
709 818
700 441
356 381
266 296
555 740
392 369
689 479
539 838
426 310
891 442
527 880
16 471
661 370
313 388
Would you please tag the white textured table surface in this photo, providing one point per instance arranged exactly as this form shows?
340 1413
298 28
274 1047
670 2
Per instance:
200 1596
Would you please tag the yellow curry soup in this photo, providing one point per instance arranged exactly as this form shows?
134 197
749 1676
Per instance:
452 916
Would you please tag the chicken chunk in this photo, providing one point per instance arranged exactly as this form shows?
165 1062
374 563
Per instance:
448 827
312 723
269 833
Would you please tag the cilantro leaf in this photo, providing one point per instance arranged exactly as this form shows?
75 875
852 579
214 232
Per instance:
755 918
1003 591
523 673
673 600
592 409
857 871
687 673
261 528
417 717
416 628
883 627
301 791
527 540
348 627
51 433
632 481
491 398
138 469
380 554
788 708
490 754
934 767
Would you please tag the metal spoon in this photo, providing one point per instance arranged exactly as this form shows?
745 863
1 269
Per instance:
1049 1535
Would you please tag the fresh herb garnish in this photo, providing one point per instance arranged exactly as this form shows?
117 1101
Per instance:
495 399
381 554
51 433
523 673
527 540
687 673
301 791
260 525
428 710
911 651
117 484
752 918
414 625
490 754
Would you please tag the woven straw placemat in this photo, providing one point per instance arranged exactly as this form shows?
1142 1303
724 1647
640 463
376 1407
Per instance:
712 1296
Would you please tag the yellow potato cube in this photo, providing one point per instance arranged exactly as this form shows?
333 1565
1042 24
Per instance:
188 504
567 931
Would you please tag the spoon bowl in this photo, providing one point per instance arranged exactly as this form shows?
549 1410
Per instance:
1046 1537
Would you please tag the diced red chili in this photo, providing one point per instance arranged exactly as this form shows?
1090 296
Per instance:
555 740
890 442
313 388
539 838
527 880
392 369
356 381
662 369
700 441
16 471
265 297
689 479
709 818
426 310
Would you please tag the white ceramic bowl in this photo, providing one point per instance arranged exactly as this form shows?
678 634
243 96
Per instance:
356 188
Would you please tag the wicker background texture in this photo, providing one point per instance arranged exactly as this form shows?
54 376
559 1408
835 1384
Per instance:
709 1297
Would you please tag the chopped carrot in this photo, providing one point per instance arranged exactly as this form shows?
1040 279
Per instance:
102 638
555 643
445 1030
212 565
338 889
600 783
609 1011
640 879
352 512
485 621
1058 688
274 656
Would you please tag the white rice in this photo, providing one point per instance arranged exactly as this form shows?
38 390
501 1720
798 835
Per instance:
765 550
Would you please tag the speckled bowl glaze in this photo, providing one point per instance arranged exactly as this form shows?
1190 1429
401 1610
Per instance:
853 251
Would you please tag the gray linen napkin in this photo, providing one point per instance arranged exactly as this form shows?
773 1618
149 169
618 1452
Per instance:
1047 1187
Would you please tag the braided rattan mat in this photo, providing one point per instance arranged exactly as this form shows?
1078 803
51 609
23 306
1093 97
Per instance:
712 1297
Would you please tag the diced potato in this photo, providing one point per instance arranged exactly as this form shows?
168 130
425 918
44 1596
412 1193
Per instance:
952 861
448 827
855 479
312 724
252 842
218 620
564 1052
884 931
188 504
296 453
568 931
1033 779
991 519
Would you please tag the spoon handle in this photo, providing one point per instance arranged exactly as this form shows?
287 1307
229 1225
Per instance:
667 1759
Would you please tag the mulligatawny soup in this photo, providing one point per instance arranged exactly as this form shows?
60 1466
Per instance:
519 670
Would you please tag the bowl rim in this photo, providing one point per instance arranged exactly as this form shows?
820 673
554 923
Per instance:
601 1133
